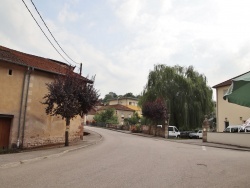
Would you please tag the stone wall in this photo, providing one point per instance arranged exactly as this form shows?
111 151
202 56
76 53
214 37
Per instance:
153 130
35 127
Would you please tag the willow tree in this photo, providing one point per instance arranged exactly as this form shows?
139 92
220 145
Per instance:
185 92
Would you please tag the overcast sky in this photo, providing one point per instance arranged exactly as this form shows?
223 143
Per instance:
120 41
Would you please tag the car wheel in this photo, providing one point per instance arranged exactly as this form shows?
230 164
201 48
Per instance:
178 136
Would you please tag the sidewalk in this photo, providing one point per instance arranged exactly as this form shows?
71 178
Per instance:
27 156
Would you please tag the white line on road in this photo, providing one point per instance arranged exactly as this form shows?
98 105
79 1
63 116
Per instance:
204 148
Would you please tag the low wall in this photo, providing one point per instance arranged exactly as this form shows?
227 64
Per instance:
236 139
158 131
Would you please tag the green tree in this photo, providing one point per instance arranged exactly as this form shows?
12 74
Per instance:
185 91
129 95
133 120
107 116
110 95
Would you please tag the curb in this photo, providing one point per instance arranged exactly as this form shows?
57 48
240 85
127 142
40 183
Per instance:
14 164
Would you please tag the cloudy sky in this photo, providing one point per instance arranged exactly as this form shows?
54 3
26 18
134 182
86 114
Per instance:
120 41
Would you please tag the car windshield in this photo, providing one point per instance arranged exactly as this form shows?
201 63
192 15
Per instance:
170 128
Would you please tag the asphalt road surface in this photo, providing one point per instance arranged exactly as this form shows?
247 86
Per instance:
124 160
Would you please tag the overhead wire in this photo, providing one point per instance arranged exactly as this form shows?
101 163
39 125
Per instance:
52 34
44 32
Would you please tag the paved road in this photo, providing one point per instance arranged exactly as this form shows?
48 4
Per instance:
124 160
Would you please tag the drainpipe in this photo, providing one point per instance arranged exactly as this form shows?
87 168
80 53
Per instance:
26 100
21 109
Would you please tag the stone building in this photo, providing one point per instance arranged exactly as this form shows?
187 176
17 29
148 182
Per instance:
129 102
23 121
121 112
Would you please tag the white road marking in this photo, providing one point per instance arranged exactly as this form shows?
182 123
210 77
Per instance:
204 148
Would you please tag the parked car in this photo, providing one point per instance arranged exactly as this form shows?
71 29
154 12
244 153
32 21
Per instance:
245 129
196 134
173 132
233 129
185 134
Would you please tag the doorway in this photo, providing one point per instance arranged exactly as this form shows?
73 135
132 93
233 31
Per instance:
5 124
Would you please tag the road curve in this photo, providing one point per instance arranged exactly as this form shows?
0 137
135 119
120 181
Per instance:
125 160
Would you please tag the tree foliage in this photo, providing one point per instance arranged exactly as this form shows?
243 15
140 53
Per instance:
68 96
155 111
112 95
129 95
185 91
107 116
133 120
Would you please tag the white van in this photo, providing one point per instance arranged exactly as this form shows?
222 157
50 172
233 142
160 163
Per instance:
173 132
233 129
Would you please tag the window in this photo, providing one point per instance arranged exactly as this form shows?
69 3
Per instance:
170 128
130 103
10 71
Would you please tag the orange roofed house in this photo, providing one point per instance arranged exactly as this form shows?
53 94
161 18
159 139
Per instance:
121 112
23 121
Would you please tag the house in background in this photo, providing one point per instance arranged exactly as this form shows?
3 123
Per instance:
89 117
228 113
121 112
23 121
129 102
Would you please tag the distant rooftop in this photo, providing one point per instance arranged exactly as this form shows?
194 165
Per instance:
120 98
116 107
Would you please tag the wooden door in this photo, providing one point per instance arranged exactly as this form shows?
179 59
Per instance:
4 132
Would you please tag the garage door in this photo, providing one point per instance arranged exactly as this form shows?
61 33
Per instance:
4 132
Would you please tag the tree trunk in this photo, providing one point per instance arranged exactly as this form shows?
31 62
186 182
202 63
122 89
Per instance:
149 130
155 130
82 127
67 132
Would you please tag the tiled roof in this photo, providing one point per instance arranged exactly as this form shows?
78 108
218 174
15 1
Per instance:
39 63
121 98
116 107
136 108
228 82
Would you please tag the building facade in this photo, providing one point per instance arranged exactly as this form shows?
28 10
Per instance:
121 112
228 113
129 102
23 121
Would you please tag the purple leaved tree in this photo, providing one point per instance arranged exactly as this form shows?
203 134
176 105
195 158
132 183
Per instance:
156 111
68 96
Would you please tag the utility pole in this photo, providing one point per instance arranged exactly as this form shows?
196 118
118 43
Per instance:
80 69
